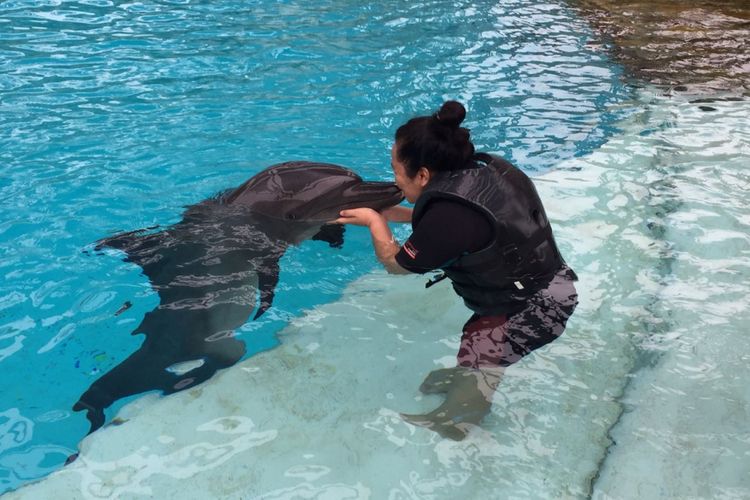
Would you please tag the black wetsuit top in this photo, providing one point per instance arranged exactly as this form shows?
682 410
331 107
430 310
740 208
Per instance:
447 230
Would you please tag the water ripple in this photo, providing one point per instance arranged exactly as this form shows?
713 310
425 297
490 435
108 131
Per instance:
116 115
700 46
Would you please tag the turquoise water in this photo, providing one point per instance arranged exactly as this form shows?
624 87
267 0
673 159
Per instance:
645 396
114 116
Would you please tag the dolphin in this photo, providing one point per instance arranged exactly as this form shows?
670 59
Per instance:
217 265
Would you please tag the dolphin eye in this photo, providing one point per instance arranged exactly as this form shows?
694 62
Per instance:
291 216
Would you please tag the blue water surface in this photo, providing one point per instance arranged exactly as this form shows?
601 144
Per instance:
116 115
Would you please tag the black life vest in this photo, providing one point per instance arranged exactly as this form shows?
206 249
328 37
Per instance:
522 257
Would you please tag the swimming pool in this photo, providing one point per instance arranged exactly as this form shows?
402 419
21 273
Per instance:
115 116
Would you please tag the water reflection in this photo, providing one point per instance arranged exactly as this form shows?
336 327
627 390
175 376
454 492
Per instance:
690 45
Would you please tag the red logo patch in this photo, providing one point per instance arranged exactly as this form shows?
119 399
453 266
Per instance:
410 250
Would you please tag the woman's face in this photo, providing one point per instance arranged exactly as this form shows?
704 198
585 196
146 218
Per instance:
411 186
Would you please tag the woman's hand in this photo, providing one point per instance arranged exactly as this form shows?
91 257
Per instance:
358 217
385 246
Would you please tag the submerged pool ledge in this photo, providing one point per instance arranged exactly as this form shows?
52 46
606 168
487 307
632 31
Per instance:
643 397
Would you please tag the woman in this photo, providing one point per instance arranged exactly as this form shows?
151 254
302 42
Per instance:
480 220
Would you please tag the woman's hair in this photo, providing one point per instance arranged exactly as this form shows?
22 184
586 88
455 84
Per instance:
436 142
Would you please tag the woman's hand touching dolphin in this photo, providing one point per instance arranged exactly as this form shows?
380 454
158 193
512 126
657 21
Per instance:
360 217
363 216
386 246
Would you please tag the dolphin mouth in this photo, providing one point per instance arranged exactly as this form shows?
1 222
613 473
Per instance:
375 195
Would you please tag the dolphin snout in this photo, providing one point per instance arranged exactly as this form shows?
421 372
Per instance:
376 195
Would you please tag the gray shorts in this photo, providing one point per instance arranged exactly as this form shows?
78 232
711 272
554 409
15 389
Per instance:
503 339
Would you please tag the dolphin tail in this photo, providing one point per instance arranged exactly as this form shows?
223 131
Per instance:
90 401
147 369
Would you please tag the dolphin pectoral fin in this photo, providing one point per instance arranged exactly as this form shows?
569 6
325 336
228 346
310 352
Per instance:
268 278
333 234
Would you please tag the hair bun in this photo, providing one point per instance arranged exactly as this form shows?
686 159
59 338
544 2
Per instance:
451 114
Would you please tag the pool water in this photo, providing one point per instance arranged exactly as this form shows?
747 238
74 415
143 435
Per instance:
115 116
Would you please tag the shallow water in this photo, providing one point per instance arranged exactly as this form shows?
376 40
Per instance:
645 395
116 115
683 428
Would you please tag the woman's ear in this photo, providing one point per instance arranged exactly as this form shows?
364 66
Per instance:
423 176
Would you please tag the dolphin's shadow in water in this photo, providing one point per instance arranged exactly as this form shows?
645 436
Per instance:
217 265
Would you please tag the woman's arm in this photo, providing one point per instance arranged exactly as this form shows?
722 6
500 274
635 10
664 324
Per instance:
386 247
399 213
